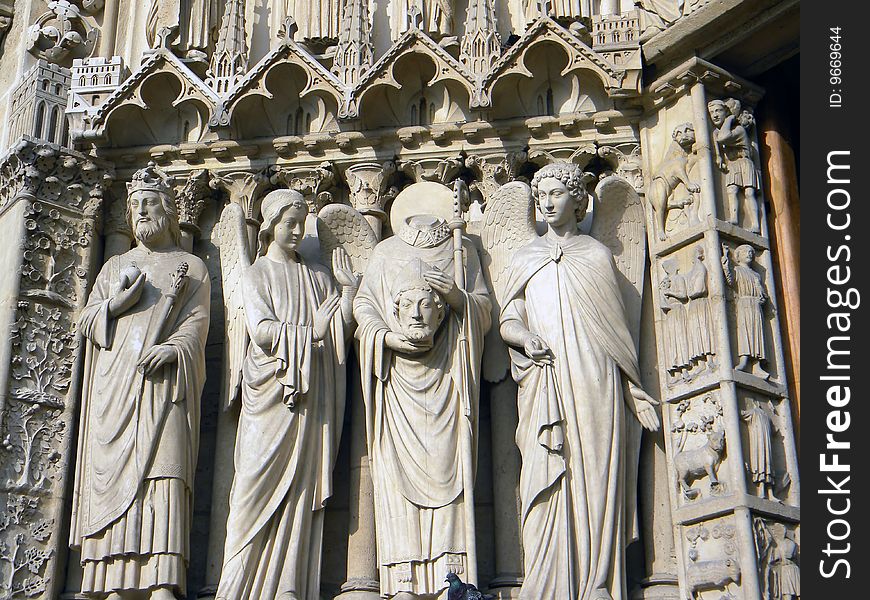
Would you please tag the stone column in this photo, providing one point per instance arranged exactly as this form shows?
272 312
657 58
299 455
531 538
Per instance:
50 200
116 229
506 463
368 194
714 402
191 200
244 189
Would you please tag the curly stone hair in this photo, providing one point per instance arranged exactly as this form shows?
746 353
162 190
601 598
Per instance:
572 177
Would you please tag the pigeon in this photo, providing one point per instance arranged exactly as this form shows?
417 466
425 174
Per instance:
463 591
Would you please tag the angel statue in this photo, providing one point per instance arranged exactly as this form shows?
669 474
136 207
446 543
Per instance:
421 325
291 374
569 308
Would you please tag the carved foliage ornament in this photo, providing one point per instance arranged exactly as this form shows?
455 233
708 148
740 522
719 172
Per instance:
64 32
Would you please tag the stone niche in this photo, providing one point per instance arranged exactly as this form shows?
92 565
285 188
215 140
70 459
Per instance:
223 107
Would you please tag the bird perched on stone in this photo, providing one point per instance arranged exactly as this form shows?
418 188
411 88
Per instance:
463 591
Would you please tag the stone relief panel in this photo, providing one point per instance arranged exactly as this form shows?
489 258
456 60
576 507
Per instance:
688 325
712 559
698 447
25 546
66 31
735 154
672 194
777 547
752 310
768 450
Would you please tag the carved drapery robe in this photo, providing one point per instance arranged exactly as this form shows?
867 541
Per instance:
139 436
579 445
316 19
750 297
700 317
414 414
760 454
438 17
293 393
201 19
676 332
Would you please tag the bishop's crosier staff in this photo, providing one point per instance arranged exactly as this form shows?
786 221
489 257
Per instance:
457 226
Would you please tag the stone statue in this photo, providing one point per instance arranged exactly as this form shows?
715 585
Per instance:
750 296
760 452
673 171
436 17
657 15
145 326
736 156
421 341
292 395
564 313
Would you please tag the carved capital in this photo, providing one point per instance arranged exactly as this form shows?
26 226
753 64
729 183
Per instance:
313 183
244 188
192 199
493 171
370 186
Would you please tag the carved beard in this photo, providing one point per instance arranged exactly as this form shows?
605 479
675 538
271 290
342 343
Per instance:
145 232
418 334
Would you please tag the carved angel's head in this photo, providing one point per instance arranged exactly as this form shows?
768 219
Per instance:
560 192
284 212
418 308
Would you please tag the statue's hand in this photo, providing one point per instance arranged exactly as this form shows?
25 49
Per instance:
444 284
125 299
643 406
693 188
156 357
538 350
399 343
323 316
343 269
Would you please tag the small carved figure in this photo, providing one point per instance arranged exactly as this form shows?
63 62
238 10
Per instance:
712 574
750 296
760 454
145 326
786 574
699 320
736 157
673 171
692 464
674 296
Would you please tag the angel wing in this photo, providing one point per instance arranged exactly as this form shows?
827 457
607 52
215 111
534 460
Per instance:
619 225
235 255
508 225
341 225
